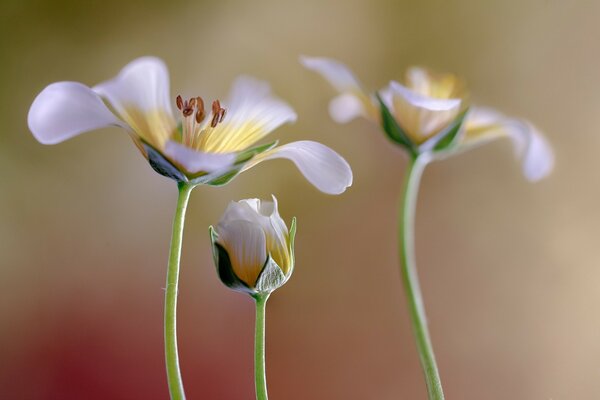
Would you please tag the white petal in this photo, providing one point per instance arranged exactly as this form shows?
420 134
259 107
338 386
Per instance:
336 73
422 116
260 212
426 102
245 210
345 107
252 113
533 149
484 124
195 161
143 84
319 164
66 109
245 243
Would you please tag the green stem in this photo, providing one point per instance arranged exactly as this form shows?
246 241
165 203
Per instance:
260 376
406 219
171 355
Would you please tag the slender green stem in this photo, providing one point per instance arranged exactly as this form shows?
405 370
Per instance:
171 355
406 219
260 375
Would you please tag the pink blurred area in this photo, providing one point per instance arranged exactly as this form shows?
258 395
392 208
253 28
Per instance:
509 269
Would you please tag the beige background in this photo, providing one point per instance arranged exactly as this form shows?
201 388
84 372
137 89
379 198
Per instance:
509 269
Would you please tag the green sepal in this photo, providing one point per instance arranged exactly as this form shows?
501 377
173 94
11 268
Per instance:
393 130
248 154
225 178
449 138
271 277
163 166
240 161
223 265
292 238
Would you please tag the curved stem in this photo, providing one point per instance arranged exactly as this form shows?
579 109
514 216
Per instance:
406 218
171 355
260 376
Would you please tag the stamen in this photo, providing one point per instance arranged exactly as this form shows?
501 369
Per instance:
200 110
200 115
218 113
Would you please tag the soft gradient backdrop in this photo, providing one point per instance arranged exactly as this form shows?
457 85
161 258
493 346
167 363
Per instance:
510 270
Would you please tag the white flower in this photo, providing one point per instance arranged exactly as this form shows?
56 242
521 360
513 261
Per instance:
211 144
426 108
252 246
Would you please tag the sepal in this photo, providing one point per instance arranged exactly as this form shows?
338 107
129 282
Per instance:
393 130
450 137
270 278
224 267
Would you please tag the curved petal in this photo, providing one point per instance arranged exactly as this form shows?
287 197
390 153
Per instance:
66 109
252 113
346 107
336 73
422 116
485 124
245 243
537 158
319 164
353 102
140 95
419 100
194 161
143 83
263 213
427 83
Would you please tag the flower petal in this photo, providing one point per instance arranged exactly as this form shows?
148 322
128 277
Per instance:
336 73
319 164
245 243
252 113
264 213
345 107
422 116
353 101
140 95
143 83
66 109
485 124
194 161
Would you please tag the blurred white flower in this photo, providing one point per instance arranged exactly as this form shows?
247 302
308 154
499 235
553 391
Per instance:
252 246
426 114
210 145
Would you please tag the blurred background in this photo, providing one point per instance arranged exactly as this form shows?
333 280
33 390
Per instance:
509 269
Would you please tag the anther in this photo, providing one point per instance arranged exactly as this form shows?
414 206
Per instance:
179 102
200 115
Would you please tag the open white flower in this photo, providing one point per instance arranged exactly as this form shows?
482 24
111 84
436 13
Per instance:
430 113
252 246
210 144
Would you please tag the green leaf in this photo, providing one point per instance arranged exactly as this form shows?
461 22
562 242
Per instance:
393 130
449 136
270 278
